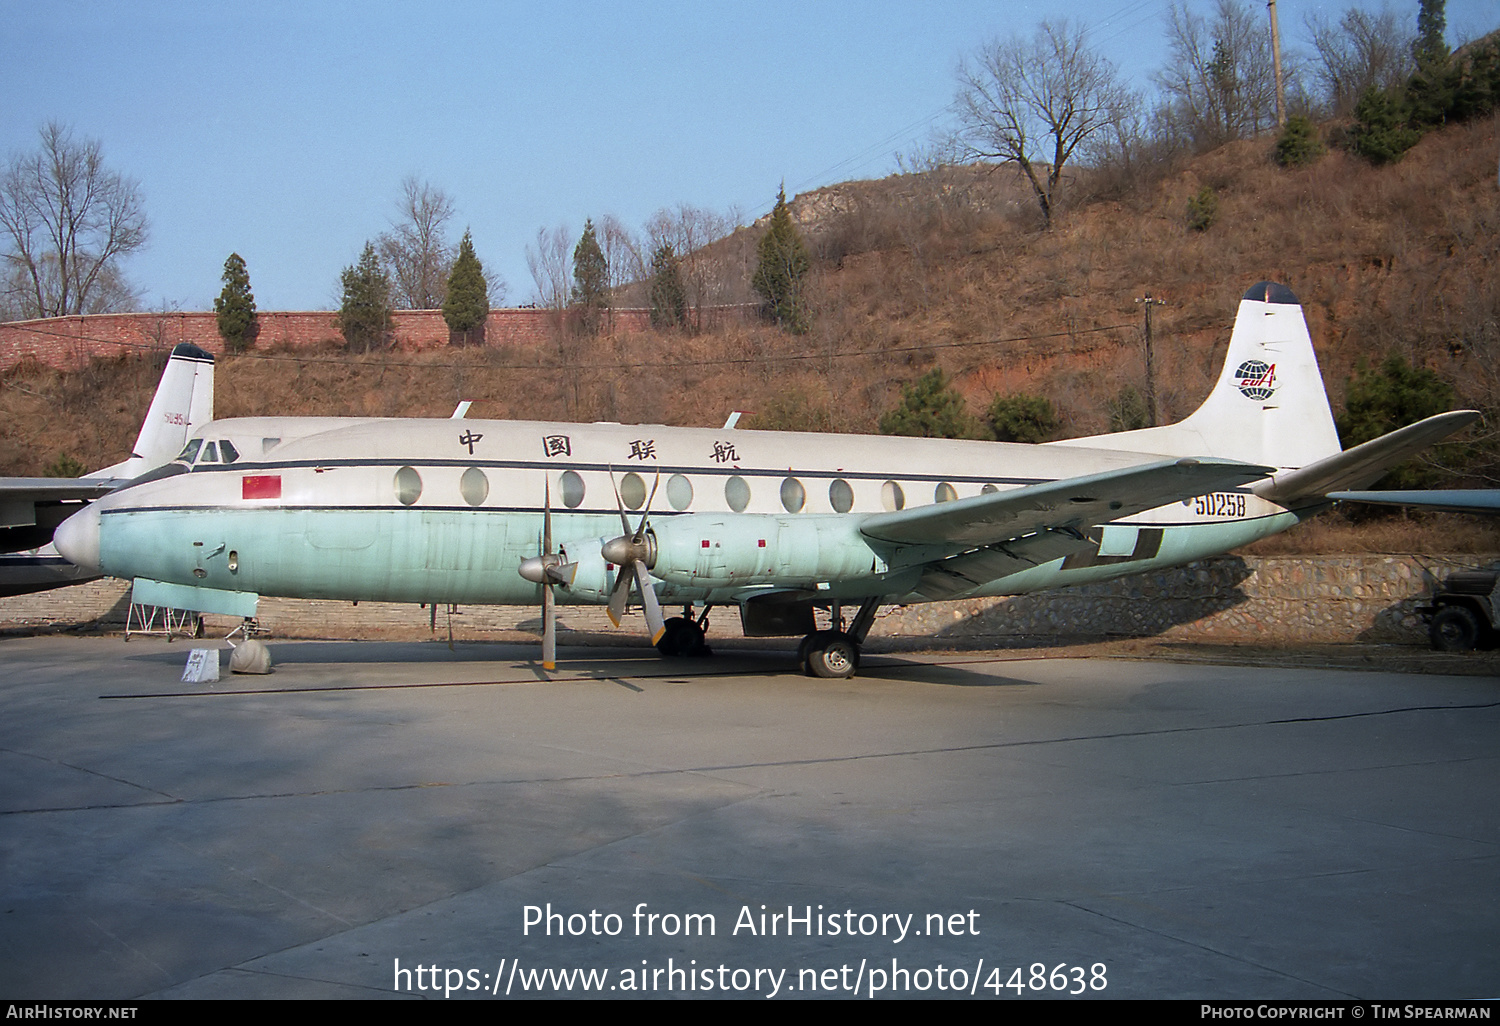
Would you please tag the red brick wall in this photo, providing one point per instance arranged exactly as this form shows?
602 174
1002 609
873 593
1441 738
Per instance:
69 341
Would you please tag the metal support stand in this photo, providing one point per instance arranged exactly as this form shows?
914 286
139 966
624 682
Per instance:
161 622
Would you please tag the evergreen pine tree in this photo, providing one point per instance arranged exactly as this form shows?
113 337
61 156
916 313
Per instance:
590 281
235 307
1378 401
1479 93
1022 417
781 270
1432 91
364 317
1381 133
668 296
1299 142
1432 23
467 303
1203 209
929 409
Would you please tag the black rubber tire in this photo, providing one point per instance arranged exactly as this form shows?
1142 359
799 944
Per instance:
683 637
1455 629
833 655
803 648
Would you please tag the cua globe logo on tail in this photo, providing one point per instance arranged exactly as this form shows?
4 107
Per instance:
1256 378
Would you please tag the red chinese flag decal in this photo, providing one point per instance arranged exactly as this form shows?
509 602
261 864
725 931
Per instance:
261 486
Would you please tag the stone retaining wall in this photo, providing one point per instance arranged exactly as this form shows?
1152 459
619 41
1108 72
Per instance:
1289 599
1232 598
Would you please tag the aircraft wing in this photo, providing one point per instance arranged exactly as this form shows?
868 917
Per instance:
54 489
1076 503
1363 464
1455 500
30 507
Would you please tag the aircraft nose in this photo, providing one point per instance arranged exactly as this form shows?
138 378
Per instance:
77 538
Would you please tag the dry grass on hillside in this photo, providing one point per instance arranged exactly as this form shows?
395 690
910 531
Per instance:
1393 532
1397 259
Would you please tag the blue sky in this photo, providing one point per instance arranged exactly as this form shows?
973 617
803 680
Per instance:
282 131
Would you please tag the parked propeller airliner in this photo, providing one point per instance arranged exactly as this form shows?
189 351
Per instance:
776 523
32 507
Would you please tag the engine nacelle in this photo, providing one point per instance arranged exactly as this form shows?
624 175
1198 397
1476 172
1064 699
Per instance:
717 550
593 577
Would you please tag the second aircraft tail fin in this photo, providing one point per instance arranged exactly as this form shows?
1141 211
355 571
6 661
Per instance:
184 402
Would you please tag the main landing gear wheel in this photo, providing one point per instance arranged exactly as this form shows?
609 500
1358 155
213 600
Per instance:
683 637
829 654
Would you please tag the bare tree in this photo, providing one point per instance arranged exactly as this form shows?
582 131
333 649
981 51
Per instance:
551 264
706 269
1033 102
1366 50
622 251
68 220
939 151
496 287
415 252
1138 146
1220 84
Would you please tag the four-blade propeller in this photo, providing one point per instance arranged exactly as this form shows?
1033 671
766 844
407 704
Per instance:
633 552
548 569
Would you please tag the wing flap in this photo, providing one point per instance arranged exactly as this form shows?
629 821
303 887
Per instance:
1071 503
960 575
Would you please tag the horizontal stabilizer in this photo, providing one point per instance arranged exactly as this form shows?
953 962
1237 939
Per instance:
1454 500
1071 503
55 489
1363 464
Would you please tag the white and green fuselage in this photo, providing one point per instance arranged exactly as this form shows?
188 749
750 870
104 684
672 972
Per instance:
449 510
402 511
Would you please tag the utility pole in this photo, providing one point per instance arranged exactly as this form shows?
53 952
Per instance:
1148 302
1276 62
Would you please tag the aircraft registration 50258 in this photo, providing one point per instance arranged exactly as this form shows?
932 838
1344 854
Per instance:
776 523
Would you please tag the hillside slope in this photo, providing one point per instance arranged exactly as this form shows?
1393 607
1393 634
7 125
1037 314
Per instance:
918 273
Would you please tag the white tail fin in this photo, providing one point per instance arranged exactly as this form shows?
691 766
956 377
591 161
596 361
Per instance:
183 403
1269 405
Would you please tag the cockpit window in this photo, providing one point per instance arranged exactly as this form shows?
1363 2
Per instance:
190 452
210 453
228 452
